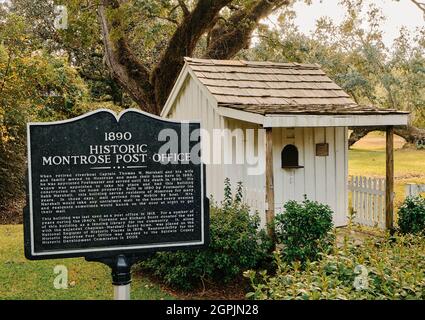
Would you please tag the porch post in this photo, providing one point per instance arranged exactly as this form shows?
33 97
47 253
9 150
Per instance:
269 182
389 185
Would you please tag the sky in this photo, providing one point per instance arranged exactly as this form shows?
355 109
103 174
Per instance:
398 14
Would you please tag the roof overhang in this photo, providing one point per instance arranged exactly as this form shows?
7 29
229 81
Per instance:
309 120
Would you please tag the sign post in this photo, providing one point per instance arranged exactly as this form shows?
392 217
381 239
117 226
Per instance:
115 190
122 292
121 273
121 279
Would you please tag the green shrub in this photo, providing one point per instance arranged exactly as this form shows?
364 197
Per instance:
411 216
392 269
304 230
34 86
236 245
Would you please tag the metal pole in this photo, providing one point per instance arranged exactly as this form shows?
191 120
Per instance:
120 271
121 278
122 292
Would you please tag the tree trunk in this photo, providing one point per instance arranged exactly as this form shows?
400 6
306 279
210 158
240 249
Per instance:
183 43
123 64
151 88
227 39
412 135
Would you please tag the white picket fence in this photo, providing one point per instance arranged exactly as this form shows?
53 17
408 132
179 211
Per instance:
413 189
368 200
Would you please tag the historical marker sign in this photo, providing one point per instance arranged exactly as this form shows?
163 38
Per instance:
106 185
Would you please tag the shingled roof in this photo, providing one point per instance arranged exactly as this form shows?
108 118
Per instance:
276 88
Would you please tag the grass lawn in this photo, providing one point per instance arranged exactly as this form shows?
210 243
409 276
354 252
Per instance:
367 158
23 279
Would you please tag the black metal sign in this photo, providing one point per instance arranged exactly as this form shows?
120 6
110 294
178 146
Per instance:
101 185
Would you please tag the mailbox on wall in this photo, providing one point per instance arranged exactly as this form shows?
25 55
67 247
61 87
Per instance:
290 157
322 149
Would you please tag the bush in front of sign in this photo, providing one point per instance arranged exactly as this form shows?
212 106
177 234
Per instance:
304 230
375 269
411 216
236 245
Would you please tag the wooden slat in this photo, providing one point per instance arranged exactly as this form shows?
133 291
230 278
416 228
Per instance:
356 196
196 61
389 190
373 203
256 64
299 174
368 195
317 104
282 93
320 166
309 167
256 70
381 218
278 144
288 137
261 77
321 101
340 176
413 189
270 84
330 169
361 201
369 202
269 182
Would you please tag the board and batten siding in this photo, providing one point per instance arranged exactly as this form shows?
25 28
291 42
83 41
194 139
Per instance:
193 103
322 179
254 186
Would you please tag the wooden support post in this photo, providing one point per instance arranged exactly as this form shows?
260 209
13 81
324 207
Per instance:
389 186
269 183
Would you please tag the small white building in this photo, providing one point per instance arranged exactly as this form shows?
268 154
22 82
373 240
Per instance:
305 116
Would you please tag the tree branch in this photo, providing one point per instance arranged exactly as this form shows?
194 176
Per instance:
420 5
228 39
411 134
165 18
123 64
184 8
183 43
